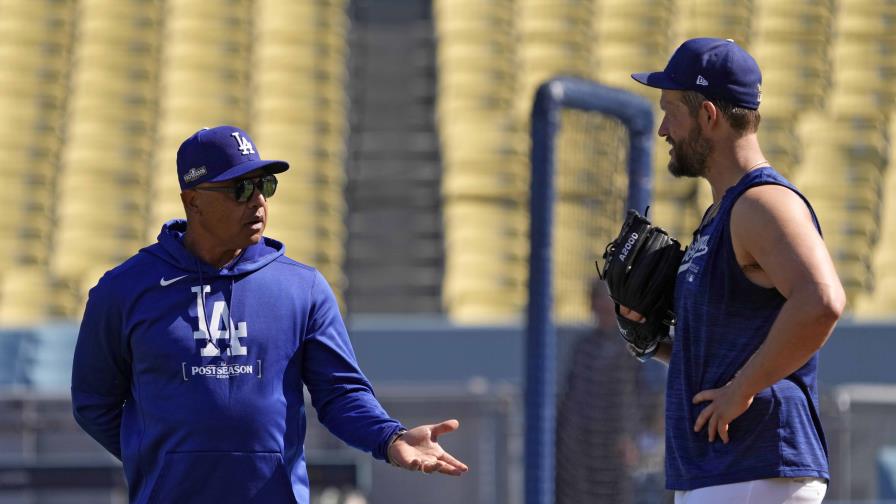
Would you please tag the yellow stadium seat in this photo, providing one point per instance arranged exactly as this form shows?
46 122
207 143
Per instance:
203 31
300 16
469 271
865 101
111 165
454 9
119 31
872 25
34 31
24 293
859 52
503 243
627 56
77 251
233 8
485 27
475 53
486 309
485 184
478 219
193 58
32 9
632 30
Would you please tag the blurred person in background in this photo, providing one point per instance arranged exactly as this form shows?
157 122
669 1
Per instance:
192 355
756 297
608 438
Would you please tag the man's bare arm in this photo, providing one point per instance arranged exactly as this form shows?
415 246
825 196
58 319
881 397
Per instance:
772 226
772 233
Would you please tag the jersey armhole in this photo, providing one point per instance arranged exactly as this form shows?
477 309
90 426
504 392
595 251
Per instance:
729 238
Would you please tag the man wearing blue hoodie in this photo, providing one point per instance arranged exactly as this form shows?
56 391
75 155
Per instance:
192 354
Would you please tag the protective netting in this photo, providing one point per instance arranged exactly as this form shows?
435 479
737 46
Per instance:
609 419
591 191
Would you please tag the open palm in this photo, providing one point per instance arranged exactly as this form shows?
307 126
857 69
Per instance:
418 450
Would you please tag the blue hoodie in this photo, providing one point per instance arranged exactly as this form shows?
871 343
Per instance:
192 375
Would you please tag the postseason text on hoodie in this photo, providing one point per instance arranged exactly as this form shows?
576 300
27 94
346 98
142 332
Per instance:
192 375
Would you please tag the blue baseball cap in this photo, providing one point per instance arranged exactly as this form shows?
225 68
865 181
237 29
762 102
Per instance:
218 154
715 68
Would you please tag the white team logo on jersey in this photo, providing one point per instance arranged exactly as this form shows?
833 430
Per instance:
696 249
216 338
231 333
243 144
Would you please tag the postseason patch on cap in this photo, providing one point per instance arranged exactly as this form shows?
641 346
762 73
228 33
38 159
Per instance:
194 174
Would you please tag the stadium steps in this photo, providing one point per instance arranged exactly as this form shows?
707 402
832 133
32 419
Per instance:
392 192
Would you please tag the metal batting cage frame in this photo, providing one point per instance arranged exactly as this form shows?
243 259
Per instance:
541 346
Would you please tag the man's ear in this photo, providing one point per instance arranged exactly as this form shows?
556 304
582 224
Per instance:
708 115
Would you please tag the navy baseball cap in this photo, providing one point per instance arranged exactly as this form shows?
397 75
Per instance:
218 154
715 68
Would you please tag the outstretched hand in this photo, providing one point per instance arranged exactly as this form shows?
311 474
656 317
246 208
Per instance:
418 450
725 404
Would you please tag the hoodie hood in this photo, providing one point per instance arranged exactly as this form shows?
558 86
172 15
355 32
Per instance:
170 248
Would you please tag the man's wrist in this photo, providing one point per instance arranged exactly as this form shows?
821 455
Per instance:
643 355
395 437
740 387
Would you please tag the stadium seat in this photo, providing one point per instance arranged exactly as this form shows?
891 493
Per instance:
478 276
872 100
481 53
488 308
869 25
473 18
76 251
486 179
23 296
39 30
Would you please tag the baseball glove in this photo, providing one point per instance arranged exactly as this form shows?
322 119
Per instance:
640 267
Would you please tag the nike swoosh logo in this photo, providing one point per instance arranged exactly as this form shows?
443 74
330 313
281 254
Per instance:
165 283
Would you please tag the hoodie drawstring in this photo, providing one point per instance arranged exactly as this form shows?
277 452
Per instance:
203 316
225 347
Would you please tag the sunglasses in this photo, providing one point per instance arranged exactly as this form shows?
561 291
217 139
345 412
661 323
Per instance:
244 188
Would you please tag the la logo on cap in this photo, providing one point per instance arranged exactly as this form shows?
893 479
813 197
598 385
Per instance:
243 144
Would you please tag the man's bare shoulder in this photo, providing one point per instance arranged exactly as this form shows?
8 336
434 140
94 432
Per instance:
764 208
776 242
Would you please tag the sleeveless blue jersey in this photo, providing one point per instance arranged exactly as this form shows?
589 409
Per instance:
723 317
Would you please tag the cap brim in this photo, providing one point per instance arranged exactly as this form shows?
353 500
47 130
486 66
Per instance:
659 80
268 165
